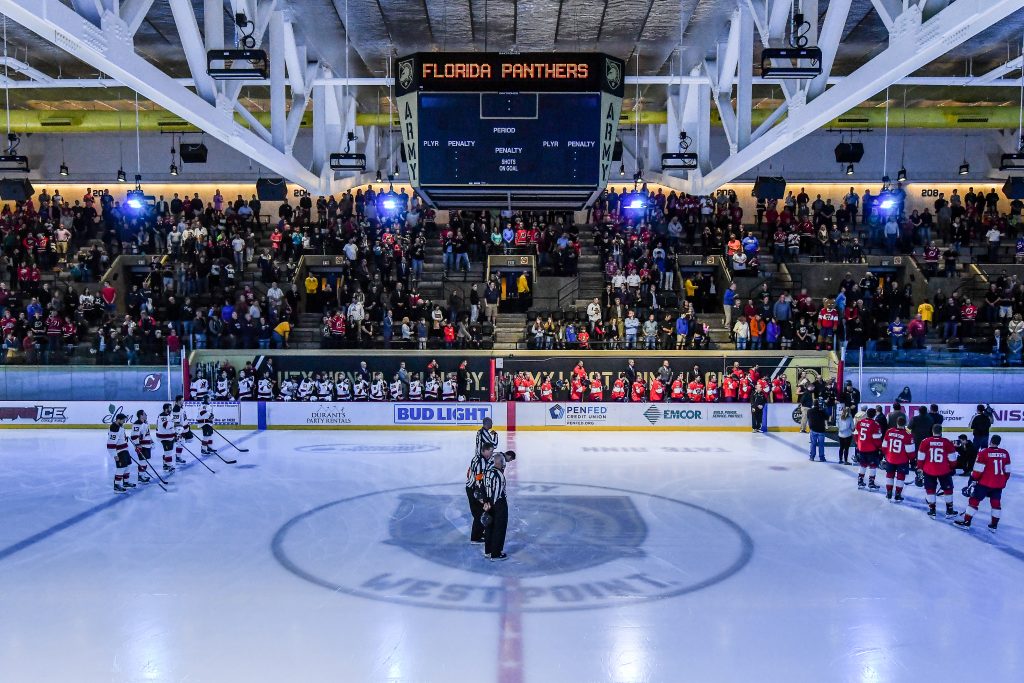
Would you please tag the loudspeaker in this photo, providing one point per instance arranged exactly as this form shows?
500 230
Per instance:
768 187
193 153
271 189
849 152
17 190
617 151
1013 188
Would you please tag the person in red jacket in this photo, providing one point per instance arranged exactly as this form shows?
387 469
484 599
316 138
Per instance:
988 479
678 389
576 388
746 389
711 391
764 387
580 372
779 390
936 458
867 434
754 374
639 391
596 388
657 393
619 389
730 388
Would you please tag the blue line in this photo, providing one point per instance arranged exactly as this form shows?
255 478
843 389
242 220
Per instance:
84 515
987 540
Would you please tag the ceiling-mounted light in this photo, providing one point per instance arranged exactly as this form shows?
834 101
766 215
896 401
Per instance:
64 170
901 175
965 168
849 169
378 175
63 161
121 177
174 169
622 169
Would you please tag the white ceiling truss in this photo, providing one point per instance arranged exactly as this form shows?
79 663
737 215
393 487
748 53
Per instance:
101 32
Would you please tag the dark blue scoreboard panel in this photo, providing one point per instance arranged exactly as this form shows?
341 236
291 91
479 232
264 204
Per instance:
492 138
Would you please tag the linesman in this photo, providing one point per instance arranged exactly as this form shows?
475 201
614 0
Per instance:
495 503
486 436
475 475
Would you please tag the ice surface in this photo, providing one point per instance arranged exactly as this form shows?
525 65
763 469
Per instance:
343 556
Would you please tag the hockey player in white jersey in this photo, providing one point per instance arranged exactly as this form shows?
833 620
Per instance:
306 389
415 389
378 389
361 390
182 428
345 389
432 388
205 421
448 388
200 388
166 434
222 392
288 389
397 389
245 385
117 447
324 388
265 389
143 443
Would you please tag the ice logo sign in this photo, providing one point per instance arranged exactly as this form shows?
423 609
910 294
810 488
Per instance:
571 547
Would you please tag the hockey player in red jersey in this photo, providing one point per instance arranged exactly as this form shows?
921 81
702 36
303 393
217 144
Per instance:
936 458
779 393
547 392
867 434
898 447
638 393
711 390
657 394
596 388
991 472
695 391
577 388
678 389
730 388
746 389
619 389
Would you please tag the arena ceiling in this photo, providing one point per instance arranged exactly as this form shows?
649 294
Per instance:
656 37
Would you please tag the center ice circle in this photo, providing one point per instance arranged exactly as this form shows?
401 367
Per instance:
572 547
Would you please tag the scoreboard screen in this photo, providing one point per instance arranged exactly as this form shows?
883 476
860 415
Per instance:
534 129
510 139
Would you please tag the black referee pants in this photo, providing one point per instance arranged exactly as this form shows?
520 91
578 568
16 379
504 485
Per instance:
494 543
476 508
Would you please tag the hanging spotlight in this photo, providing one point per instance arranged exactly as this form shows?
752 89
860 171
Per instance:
901 175
63 162
378 175
174 169
622 169
121 177
64 170
849 169
965 168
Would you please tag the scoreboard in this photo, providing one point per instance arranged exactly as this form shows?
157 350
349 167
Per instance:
488 123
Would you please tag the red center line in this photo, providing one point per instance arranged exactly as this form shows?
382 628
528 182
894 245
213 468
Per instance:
510 632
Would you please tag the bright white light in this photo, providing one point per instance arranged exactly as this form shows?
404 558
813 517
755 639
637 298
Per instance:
135 203
887 204
390 204
636 204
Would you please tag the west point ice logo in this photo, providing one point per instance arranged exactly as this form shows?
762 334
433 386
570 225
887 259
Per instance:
612 73
405 73
571 547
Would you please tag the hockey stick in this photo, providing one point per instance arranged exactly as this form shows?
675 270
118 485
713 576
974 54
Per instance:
149 466
160 480
201 461
240 450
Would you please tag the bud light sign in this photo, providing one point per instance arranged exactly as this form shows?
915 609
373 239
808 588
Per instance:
442 413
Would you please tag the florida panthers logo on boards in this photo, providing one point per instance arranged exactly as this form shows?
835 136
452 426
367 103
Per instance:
572 547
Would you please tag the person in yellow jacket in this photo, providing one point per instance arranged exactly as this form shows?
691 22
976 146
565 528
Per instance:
312 297
926 311
522 284
281 334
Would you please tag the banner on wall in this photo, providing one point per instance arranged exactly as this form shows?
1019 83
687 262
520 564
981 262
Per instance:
101 413
955 416
632 416
381 415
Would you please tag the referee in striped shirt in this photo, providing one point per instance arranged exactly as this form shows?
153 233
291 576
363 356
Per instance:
486 435
475 475
495 503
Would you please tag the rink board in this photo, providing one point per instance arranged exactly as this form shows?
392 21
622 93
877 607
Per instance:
431 416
